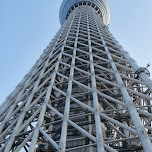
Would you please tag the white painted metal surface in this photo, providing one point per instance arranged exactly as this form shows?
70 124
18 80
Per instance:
81 95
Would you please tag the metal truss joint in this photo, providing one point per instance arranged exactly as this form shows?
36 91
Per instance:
141 70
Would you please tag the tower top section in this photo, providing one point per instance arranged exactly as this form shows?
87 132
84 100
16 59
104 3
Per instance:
101 7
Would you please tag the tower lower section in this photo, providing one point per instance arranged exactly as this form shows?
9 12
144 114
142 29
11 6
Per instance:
82 95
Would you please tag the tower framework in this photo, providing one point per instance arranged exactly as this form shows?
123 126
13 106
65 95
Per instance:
84 94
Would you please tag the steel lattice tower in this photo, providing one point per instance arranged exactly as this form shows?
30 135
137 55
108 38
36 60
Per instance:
84 94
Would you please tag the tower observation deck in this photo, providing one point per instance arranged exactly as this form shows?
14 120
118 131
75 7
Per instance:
101 7
84 94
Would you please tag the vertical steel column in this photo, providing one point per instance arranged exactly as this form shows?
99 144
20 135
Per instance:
25 80
99 136
131 61
62 144
145 140
11 108
47 98
11 140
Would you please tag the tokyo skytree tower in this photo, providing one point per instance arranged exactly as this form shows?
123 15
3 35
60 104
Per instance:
84 94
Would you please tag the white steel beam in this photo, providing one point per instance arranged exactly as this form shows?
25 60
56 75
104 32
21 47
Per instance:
145 140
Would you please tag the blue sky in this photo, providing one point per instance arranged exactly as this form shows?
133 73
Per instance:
27 27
